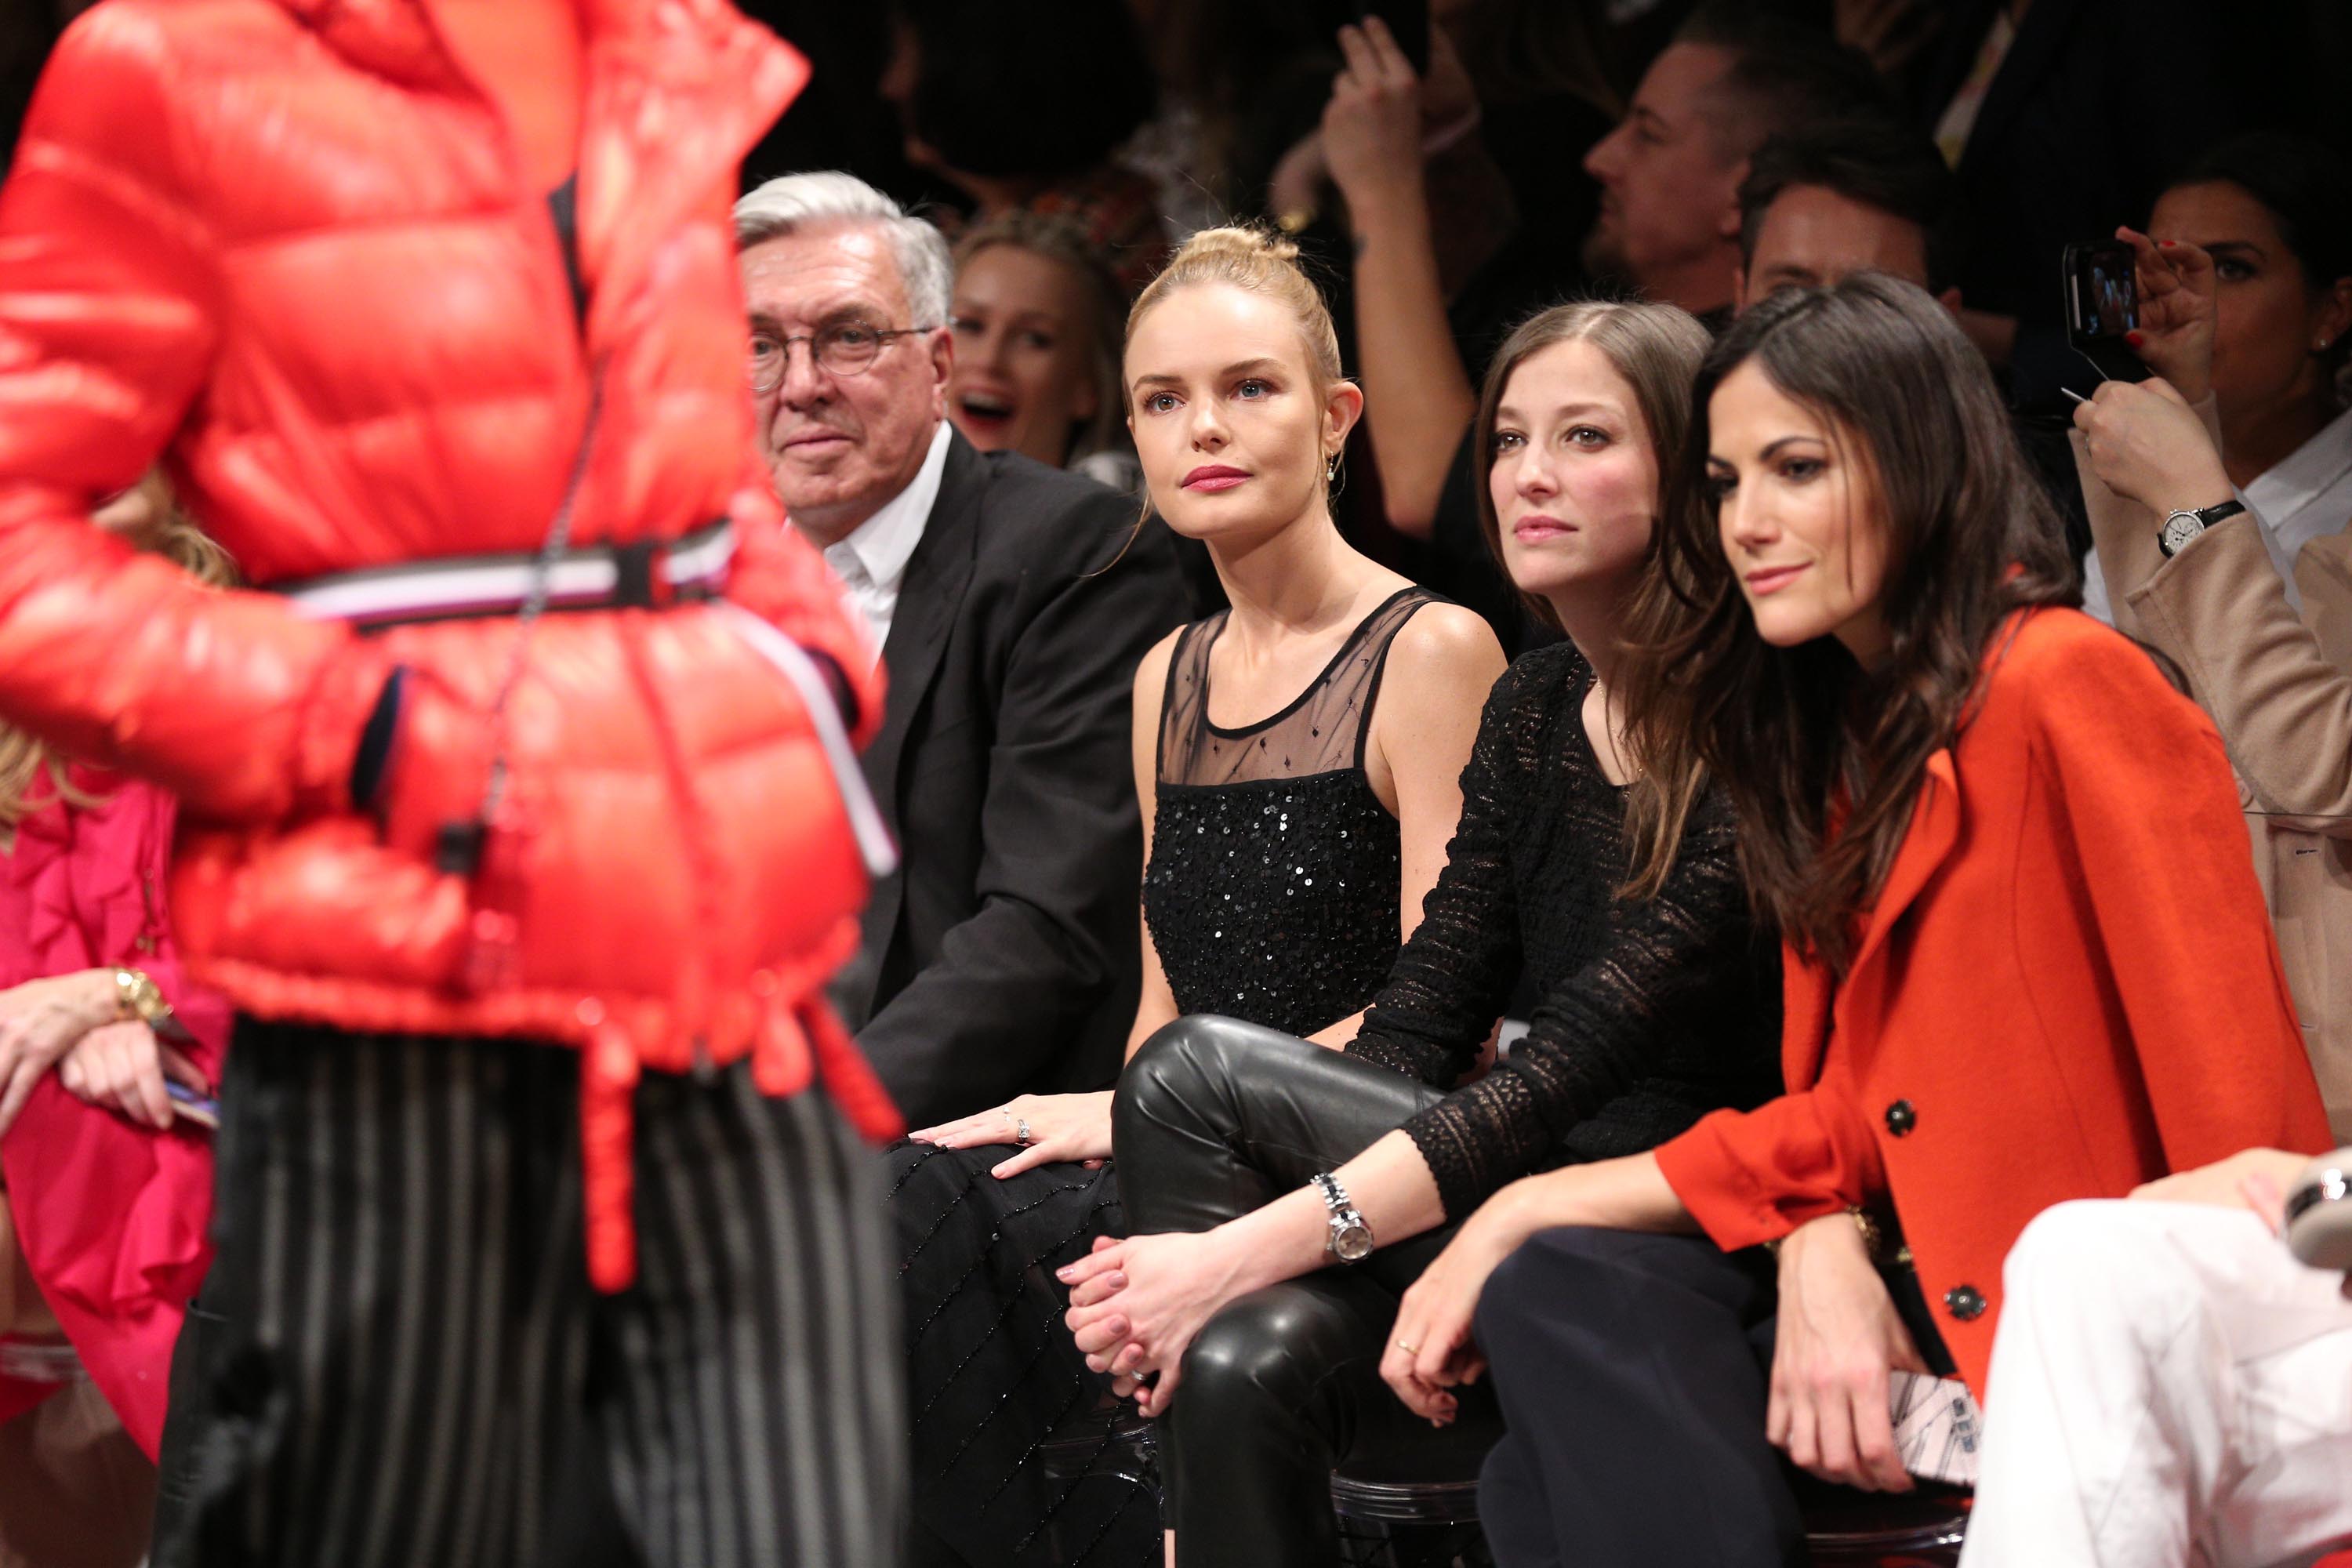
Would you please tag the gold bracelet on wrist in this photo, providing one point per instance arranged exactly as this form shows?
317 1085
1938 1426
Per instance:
1872 1240
137 997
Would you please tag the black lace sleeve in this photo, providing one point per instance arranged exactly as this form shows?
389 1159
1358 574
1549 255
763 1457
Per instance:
1453 978
1677 967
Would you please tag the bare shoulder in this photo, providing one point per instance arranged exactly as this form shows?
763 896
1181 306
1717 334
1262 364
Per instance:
1445 651
1151 673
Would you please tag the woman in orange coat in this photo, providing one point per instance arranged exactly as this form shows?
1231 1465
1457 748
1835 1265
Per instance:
430 310
2026 960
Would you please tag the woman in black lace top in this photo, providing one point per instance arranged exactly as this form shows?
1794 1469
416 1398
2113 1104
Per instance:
1297 760
1267 1160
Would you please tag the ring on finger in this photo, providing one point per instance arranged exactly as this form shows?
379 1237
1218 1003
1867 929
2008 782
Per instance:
1408 1349
1021 1132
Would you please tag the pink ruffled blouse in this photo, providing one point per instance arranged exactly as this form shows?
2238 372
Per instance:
114 1219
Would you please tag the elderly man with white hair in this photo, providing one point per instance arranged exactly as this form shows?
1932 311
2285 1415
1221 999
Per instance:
1010 604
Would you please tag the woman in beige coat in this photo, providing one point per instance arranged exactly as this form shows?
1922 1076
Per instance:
2198 587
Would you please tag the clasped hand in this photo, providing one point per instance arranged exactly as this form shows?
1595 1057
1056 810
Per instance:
1136 1304
2146 442
69 1019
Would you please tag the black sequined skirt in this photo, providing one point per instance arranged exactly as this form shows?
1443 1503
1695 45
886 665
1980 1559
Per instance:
1011 1465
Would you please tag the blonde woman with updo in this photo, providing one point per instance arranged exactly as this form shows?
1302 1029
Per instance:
1297 759
1283 1201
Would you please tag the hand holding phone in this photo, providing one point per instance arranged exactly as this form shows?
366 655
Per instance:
187 1105
2103 307
2177 288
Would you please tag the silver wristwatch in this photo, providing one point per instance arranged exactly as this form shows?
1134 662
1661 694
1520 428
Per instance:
1351 1239
2180 526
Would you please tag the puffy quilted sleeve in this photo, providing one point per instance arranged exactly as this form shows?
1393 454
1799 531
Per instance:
780 577
109 313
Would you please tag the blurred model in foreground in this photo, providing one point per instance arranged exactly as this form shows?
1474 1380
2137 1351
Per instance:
534 741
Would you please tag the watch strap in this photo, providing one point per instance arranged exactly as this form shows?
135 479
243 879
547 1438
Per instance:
1342 1219
2172 541
1335 1196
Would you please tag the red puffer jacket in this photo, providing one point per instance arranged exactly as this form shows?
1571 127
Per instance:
286 246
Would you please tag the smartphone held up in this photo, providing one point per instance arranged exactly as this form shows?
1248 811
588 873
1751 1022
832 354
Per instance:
2103 307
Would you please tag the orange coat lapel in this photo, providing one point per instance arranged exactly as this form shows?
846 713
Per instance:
1808 994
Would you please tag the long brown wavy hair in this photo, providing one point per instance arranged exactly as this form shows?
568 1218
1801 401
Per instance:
1656 348
32 774
1804 739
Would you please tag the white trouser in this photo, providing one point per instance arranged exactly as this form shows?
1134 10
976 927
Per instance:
2168 1387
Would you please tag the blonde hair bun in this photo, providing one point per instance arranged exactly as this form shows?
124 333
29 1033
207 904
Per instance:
1261 260
1236 240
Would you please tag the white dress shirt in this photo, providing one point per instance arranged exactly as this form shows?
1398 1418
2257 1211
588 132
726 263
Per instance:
872 560
2305 495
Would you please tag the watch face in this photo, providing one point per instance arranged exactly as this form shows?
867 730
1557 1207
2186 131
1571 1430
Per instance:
2179 528
1352 1243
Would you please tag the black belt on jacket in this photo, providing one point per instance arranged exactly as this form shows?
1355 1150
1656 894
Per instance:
647 575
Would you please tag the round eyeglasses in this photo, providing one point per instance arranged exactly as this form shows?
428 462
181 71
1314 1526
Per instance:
848 348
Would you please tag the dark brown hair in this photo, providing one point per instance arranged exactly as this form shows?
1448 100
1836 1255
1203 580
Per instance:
1879 161
1656 348
1783 75
2306 186
1798 736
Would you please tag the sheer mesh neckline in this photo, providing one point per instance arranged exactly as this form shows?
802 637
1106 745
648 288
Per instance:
1322 730
1323 678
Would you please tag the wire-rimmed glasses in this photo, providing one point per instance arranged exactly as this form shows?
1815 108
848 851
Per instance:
846 348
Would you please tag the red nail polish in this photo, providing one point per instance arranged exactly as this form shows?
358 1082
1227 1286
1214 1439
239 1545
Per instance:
2135 339
2166 244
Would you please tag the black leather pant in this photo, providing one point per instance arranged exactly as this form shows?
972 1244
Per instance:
1215 1118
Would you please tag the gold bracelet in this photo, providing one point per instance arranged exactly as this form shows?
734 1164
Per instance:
1871 1240
136 996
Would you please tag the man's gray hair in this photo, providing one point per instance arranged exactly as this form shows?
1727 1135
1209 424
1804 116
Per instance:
795 200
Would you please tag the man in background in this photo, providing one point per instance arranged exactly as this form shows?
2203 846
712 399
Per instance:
1010 602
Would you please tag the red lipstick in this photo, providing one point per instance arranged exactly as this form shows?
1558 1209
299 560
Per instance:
1214 477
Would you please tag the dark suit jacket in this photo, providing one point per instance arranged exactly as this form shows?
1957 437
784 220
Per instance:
2067 146
1003 957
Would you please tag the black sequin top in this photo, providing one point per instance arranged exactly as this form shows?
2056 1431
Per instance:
1272 891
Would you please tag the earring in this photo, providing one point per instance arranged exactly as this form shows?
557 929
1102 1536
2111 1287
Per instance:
2319 345
1332 469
